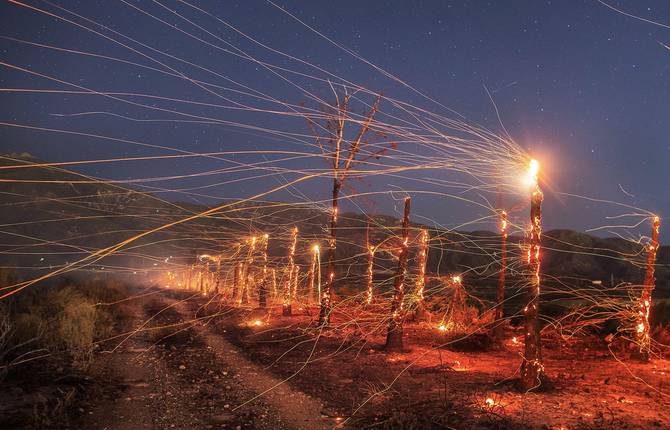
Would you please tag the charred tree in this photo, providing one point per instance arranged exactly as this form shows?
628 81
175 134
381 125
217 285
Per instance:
286 306
237 277
532 368
263 286
342 154
394 335
644 306
421 313
371 260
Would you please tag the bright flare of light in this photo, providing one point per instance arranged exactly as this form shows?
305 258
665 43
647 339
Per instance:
530 180
257 323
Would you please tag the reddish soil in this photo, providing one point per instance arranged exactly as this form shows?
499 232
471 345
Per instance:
201 365
429 386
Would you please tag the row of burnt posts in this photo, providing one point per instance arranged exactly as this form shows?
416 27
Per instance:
249 274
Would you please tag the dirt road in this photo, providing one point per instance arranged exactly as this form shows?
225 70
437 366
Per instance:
187 376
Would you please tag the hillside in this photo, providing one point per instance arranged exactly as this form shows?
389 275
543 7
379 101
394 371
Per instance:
52 216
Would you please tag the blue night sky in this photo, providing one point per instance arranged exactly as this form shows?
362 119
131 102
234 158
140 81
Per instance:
583 87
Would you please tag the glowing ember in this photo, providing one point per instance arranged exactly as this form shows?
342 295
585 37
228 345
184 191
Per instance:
458 367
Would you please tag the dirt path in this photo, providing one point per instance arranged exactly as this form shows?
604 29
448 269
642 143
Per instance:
294 408
190 378
131 371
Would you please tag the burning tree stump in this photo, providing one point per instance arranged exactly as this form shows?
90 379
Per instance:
217 277
189 277
296 282
286 307
421 313
263 287
201 280
315 275
237 278
248 278
644 306
394 334
242 283
371 260
532 369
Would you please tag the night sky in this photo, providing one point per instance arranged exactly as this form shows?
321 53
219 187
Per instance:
582 87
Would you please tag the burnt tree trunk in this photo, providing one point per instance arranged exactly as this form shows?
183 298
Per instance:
532 369
421 312
395 329
236 282
263 287
371 260
326 294
201 280
244 291
286 307
286 304
217 284
312 273
262 293
189 277
643 328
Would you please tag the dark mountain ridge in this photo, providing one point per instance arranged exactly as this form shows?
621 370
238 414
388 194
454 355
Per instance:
52 216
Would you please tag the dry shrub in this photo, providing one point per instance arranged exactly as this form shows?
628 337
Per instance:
457 314
64 320
67 319
74 328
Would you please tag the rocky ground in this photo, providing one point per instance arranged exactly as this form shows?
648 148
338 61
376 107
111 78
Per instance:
189 363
